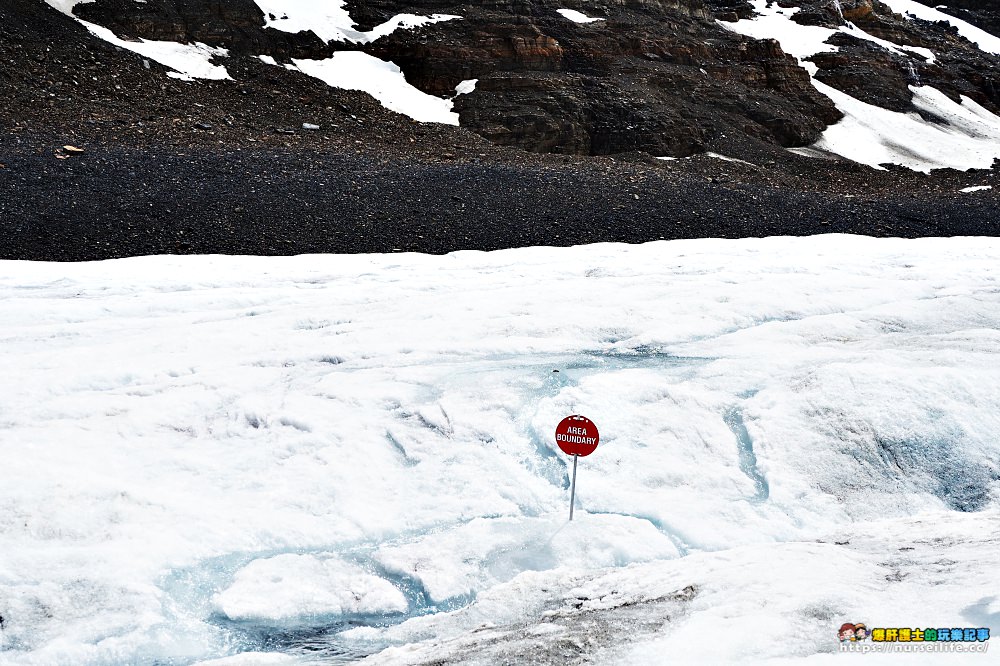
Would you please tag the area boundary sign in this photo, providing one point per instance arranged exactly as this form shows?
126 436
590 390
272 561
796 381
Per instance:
577 435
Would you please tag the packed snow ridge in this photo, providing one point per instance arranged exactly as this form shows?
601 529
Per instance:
317 459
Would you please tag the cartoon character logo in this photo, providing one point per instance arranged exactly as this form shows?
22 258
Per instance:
846 632
860 632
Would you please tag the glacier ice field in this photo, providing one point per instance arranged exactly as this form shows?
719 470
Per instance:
329 459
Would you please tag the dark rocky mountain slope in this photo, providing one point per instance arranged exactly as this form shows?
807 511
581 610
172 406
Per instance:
661 77
559 107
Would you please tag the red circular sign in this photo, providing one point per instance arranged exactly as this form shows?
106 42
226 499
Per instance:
577 435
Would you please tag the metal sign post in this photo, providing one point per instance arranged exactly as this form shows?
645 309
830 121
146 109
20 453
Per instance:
577 436
572 488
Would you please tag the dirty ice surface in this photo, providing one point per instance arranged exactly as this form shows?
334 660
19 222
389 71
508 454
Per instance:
329 458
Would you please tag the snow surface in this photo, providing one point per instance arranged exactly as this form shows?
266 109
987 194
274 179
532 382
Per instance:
204 456
189 61
296 586
330 21
382 80
984 40
482 552
959 136
968 139
577 17
252 659
465 87
975 188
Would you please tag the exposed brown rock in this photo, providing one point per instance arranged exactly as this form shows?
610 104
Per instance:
856 10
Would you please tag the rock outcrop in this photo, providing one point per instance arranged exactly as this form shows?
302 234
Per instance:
660 77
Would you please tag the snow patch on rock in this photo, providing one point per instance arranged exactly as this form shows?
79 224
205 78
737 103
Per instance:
577 17
353 70
984 40
188 61
969 138
466 87
330 21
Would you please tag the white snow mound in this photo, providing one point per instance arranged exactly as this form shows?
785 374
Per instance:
296 586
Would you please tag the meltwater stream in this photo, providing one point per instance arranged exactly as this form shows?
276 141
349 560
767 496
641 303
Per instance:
748 459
